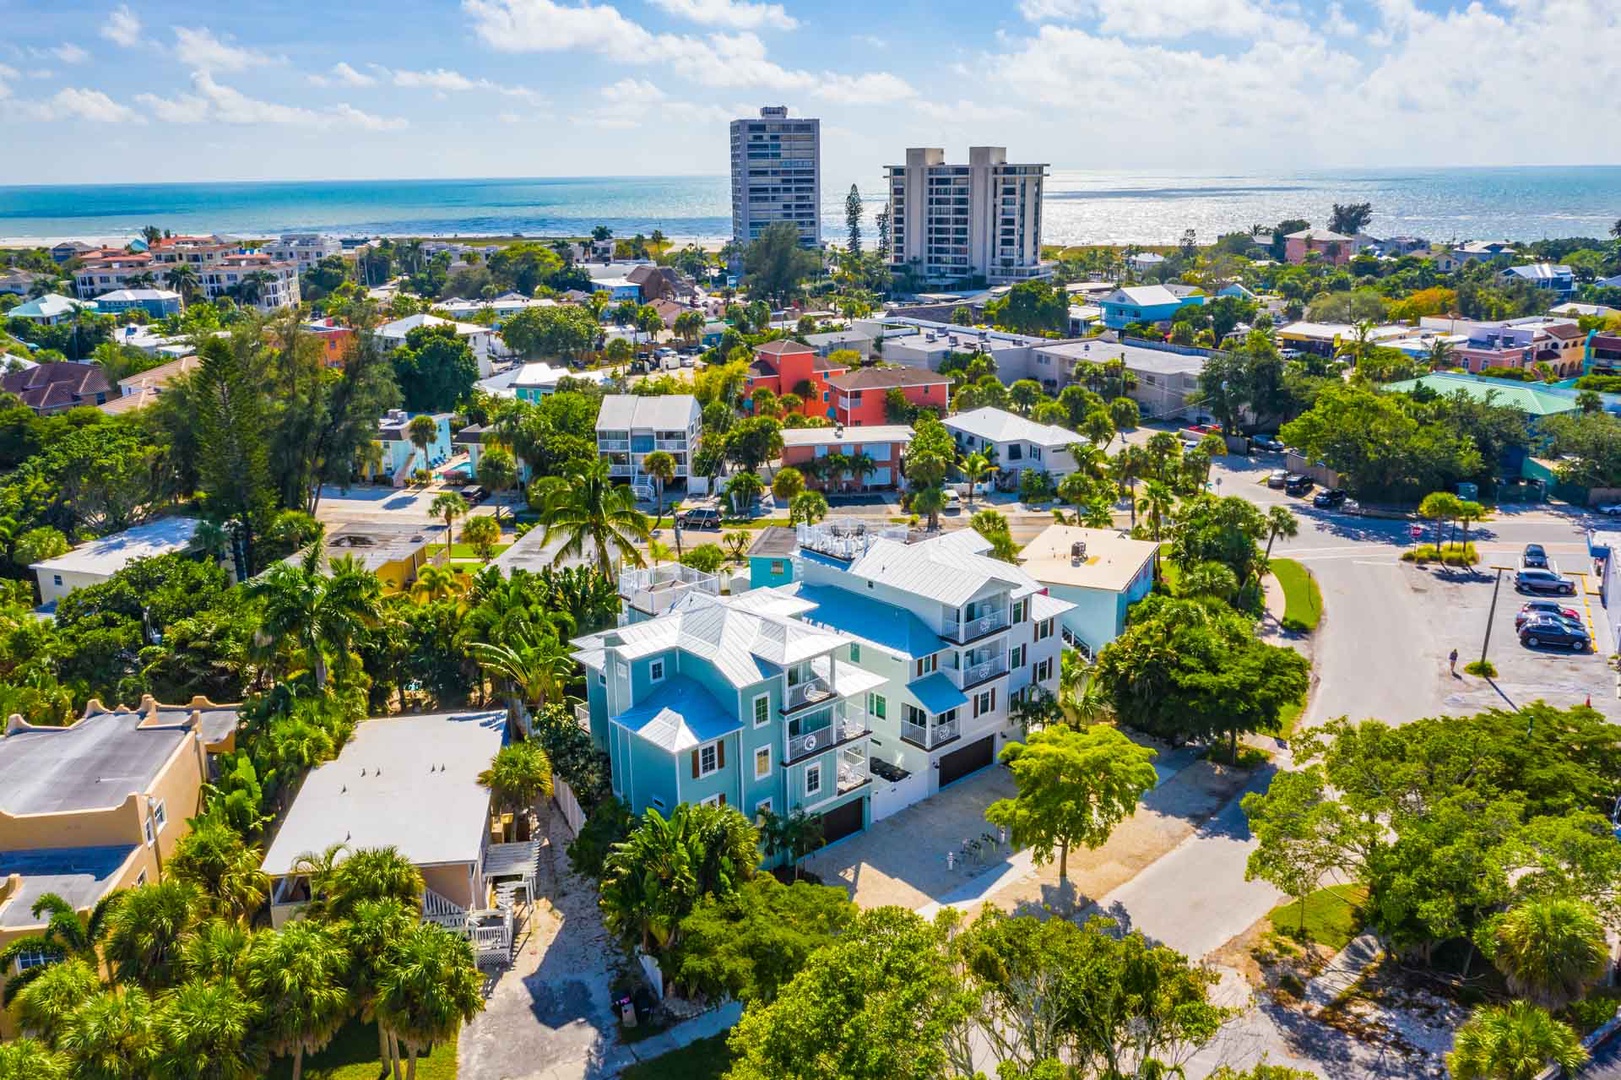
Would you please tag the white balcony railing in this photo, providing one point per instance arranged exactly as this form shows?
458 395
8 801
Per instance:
972 674
846 723
582 715
929 736
654 590
977 627
853 770
613 444
809 692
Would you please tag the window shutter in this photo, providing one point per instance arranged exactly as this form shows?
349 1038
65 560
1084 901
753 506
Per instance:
695 764
720 754
723 798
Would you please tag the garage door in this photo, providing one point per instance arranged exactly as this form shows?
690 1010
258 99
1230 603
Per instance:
843 821
959 763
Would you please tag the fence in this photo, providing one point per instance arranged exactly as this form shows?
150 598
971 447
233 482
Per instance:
563 796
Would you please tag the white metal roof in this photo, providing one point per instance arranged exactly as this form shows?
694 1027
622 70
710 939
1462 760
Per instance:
112 553
950 569
406 781
845 436
1143 296
1001 426
657 412
400 327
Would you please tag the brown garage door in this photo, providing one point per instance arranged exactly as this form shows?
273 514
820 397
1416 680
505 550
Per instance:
843 821
959 763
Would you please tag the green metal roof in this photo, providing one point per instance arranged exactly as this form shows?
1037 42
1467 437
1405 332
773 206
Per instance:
1529 398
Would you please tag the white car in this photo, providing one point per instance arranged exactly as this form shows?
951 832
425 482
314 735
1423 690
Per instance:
1612 510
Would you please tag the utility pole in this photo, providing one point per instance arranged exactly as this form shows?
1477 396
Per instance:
1492 614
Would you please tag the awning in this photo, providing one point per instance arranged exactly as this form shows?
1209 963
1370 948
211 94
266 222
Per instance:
937 694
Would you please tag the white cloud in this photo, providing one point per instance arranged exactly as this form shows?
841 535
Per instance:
445 81
342 75
72 103
726 61
737 14
631 103
199 48
1155 20
1337 23
214 101
122 27
69 53
968 112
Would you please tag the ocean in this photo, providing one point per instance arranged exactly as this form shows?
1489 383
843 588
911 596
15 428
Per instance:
1526 203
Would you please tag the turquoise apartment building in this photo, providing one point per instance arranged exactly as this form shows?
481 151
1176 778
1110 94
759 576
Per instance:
882 672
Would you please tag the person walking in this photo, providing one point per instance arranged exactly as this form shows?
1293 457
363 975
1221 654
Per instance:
1454 661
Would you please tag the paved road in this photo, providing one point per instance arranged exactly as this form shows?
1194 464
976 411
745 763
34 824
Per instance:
1195 898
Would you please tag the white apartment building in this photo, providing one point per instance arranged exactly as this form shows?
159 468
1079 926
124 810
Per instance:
776 175
631 426
303 249
277 282
951 222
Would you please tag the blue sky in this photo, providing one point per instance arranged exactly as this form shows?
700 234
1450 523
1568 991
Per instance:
143 91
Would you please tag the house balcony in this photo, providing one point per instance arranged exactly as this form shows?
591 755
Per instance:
972 674
613 444
929 736
983 625
842 723
654 590
853 769
671 444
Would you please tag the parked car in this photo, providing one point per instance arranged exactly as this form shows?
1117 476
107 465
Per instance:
1544 581
1297 484
1267 442
474 494
1545 609
1534 557
1329 499
1541 632
1277 478
699 517
953 501
1612 510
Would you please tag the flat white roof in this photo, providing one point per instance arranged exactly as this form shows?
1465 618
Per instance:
830 436
406 781
112 553
1110 563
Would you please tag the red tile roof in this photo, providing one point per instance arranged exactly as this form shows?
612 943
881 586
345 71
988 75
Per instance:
54 386
876 378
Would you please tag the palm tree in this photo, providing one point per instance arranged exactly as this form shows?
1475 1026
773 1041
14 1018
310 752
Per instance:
429 988
379 873
436 583
1126 468
145 931
1280 521
317 614
660 465
182 278
808 506
534 662
652 879
1083 697
1156 502
208 1028
372 929
519 776
975 467
46 1001
862 466
483 532
297 974
1469 511
1162 450
251 289
742 489
422 430
1441 507
737 545
1513 1042
32 1059
1439 355
930 501
795 835
1550 950
450 506
834 468
587 509
217 950
113 1036
66 937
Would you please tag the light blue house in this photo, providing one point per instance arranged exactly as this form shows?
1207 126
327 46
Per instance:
401 457
1555 278
771 557
1146 304
157 303
1099 571
883 672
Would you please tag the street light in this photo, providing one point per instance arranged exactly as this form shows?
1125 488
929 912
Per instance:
1492 614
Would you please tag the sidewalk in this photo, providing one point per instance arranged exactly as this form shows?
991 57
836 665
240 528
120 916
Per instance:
623 1055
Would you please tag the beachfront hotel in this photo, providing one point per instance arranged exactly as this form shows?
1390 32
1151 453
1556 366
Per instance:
776 175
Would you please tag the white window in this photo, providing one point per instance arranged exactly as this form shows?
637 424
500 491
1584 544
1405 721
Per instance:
140 879
160 815
813 780
984 702
708 759
762 709
57 578
878 706
655 670
762 763
33 958
1016 657
1019 608
927 665
761 809
714 800
151 837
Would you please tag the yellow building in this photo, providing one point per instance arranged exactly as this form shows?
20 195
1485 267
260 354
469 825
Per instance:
394 551
97 806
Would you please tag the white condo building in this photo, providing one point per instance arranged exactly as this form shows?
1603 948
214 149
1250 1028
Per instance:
776 175
304 249
982 219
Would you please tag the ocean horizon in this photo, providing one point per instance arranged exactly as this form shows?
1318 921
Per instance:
1079 207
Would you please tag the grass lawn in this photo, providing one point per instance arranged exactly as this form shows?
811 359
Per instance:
1289 717
1333 916
1302 599
352 1055
706 1059
468 551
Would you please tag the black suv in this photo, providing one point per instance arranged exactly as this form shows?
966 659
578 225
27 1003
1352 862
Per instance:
701 517
1329 500
1296 484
